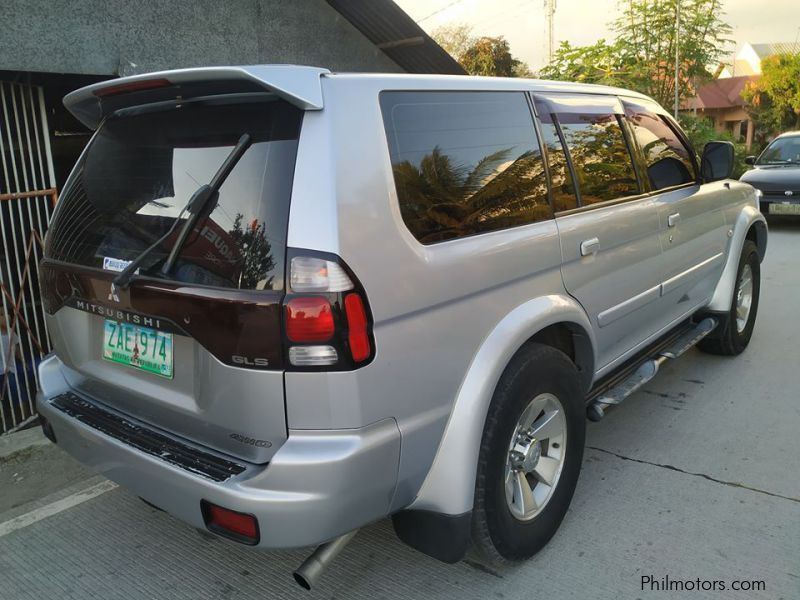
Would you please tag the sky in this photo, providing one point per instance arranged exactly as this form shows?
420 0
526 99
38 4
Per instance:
581 22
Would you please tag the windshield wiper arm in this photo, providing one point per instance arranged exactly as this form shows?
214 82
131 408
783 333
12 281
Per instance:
205 196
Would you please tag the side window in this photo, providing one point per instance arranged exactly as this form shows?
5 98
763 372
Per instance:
564 197
464 162
667 160
600 156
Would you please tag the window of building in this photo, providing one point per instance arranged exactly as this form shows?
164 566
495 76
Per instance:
464 162
600 156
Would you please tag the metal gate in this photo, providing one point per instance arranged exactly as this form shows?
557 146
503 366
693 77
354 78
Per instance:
27 196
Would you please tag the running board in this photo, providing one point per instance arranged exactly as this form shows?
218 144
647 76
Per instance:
646 370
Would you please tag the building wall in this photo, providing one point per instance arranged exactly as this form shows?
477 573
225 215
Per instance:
122 37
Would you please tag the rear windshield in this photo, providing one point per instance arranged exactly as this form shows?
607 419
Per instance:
142 167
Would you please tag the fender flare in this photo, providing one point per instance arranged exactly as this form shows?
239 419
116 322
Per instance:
747 218
449 485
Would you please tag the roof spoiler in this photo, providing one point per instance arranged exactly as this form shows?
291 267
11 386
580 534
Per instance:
298 85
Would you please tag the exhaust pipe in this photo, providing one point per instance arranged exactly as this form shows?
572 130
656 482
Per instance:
309 572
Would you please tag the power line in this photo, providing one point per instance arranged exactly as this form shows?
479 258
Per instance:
436 12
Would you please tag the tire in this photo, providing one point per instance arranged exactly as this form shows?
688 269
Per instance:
734 338
537 372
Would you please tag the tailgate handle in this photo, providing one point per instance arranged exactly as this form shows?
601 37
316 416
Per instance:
590 246
673 219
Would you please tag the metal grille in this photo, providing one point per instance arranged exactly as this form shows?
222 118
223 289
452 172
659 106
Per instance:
27 196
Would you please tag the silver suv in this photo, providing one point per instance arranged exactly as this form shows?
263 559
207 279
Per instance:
286 303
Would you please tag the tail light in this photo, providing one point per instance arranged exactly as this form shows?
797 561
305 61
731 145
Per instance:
326 316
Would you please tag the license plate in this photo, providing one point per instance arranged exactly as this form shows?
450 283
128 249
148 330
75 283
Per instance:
784 209
139 347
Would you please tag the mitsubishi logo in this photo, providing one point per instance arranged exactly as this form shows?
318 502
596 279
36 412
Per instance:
112 294
788 193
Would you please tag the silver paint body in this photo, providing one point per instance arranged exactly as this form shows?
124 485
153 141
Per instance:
404 431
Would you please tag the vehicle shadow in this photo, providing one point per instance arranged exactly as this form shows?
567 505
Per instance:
783 223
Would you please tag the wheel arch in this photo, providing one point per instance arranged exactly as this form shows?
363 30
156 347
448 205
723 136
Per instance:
750 224
555 320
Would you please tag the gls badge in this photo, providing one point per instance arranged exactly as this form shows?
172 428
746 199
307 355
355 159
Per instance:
250 362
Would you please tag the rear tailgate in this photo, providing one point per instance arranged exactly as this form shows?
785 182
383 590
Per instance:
198 352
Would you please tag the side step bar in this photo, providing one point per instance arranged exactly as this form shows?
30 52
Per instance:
646 370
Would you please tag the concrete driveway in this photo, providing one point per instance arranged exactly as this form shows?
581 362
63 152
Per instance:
695 477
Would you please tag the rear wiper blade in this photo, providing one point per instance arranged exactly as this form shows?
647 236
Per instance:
206 195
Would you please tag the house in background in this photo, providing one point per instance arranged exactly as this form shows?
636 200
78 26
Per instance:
721 99
748 60
722 102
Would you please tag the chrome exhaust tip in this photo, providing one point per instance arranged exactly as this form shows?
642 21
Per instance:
308 573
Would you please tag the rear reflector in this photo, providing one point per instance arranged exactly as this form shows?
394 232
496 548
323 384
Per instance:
235 525
309 320
357 335
134 86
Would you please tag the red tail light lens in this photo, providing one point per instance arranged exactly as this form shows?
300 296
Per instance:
309 320
357 335
134 86
235 525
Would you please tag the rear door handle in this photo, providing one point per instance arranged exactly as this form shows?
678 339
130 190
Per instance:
590 247
673 219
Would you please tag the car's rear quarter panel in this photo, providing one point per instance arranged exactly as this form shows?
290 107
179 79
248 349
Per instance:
433 306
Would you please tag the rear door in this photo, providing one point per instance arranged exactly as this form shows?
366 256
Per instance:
691 216
609 230
197 352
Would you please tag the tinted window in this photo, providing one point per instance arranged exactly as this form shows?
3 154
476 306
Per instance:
560 177
667 160
785 150
142 168
464 162
600 156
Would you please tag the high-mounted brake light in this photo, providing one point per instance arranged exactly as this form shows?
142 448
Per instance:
133 86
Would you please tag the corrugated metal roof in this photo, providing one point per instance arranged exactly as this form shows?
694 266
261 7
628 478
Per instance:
388 27
721 93
771 48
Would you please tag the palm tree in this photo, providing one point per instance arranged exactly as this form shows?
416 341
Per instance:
440 199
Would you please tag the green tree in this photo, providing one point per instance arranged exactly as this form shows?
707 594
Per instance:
455 38
642 55
598 63
257 260
774 98
700 131
480 55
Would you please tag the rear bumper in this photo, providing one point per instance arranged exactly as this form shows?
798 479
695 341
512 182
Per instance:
319 484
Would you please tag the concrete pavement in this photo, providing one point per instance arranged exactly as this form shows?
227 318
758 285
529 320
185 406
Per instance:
696 476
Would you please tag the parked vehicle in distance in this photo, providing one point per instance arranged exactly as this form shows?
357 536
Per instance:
776 175
286 303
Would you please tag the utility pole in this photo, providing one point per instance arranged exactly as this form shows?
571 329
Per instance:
677 50
549 13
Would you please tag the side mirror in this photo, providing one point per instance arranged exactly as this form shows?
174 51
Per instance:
750 160
717 161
